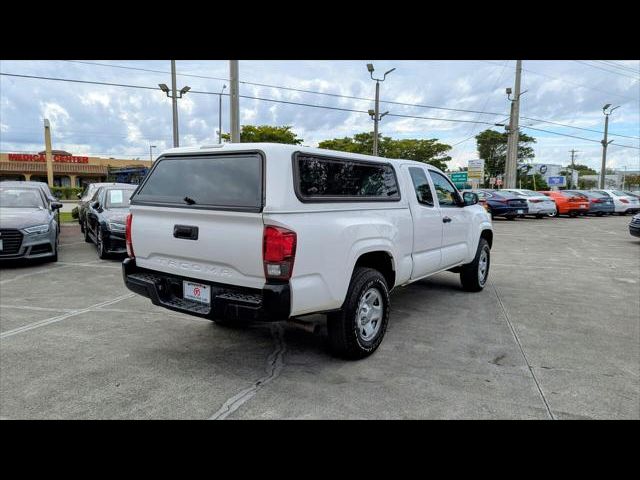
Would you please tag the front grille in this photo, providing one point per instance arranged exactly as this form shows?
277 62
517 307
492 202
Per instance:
11 241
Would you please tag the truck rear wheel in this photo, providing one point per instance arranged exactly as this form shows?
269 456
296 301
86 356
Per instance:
356 331
473 276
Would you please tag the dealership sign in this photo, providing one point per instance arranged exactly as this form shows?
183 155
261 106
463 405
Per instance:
475 169
25 157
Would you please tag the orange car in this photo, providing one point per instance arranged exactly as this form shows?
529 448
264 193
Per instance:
569 203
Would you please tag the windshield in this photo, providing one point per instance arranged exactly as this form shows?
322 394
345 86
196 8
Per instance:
20 198
118 197
618 193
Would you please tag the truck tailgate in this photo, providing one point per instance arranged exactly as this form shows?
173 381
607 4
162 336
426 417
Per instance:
228 247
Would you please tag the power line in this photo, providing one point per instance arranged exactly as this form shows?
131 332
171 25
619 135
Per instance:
619 66
606 69
574 136
299 90
390 102
568 81
294 103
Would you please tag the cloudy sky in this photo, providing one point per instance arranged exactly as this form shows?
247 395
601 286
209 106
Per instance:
89 119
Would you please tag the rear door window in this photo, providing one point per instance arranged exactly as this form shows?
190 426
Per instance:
225 182
319 178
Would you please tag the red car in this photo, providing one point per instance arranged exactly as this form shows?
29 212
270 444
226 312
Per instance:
569 203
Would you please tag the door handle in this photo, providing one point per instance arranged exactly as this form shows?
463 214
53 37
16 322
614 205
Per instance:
446 219
187 232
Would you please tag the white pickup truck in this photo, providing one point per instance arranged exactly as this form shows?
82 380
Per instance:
239 232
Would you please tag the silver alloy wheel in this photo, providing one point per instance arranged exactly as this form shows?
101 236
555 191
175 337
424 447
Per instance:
369 314
483 266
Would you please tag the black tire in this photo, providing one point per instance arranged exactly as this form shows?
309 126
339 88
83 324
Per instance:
539 215
102 251
599 214
511 217
573 214
520 216
345 337
469 275
622 214
87 238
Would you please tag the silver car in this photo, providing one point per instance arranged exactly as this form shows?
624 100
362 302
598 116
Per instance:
539 204
28 226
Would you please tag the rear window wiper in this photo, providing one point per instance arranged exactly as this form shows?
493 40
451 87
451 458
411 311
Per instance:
189 200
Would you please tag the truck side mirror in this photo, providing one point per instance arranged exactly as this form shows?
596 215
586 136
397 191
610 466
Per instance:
56 205
95 205
470 198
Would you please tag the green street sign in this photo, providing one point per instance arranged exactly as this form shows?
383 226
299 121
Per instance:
459 177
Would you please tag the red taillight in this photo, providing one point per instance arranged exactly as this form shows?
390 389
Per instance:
624 200
278 252
128 236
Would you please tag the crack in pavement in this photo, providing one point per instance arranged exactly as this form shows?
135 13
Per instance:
275 363
526 360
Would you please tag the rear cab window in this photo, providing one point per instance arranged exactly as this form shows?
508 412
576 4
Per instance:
319 178
209 181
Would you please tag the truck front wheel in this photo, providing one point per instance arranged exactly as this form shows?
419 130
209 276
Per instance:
356 331
473 276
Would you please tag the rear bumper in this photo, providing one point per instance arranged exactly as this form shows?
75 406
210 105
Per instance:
502 211
229 302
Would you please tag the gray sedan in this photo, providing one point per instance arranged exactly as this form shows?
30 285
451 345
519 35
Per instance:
28 226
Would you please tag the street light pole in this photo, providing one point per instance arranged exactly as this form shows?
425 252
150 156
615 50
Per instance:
220 113
174 95
375 114
174 101
605 144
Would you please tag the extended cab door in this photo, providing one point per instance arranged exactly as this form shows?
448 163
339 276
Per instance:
427 224
456 221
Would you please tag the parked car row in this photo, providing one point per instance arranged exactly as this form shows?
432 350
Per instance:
512 203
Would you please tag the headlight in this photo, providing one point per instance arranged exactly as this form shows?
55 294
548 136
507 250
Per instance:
37 229
116 227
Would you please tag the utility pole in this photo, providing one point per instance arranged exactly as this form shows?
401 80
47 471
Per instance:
605 144
174 100
375 114
235 101
220 114
573 153
48 153
512 142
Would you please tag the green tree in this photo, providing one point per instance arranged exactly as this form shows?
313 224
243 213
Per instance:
585 184
492 147
266 134
421 150
582 169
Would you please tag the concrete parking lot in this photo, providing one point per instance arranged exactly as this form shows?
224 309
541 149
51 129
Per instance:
555 334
